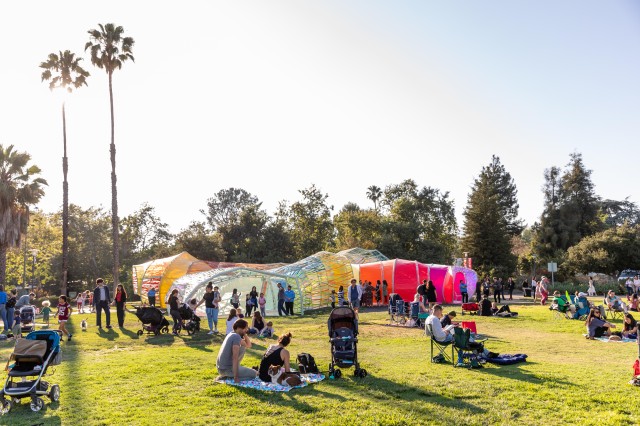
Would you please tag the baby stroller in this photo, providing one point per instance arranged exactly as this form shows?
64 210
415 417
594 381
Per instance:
397 309
152 320
31 357
343 332
27 318
192 320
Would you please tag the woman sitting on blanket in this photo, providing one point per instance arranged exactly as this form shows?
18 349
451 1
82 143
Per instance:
276 355
630 330
505 311
596 326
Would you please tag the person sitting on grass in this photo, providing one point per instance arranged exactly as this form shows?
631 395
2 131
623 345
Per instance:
485 307
633 305
257 323
630 330
239 312
276 355
232 351
596 326
268 331
231 320
504 311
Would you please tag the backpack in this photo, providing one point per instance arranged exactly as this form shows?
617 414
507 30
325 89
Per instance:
306 364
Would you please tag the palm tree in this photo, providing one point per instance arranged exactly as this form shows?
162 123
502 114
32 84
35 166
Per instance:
374 193
18 190
109 50
63 71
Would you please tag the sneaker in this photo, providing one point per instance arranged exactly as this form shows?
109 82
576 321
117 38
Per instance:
109 326
69 338
211 332
215 330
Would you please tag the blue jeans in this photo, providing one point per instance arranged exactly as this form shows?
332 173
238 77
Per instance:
3 315
10 313
281 309
212 317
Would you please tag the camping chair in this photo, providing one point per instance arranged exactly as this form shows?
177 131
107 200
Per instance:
582 308
561 308
467 356
613 313
442 347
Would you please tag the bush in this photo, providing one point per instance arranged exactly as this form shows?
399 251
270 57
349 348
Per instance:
601 288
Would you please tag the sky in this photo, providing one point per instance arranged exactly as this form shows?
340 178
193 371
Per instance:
274 96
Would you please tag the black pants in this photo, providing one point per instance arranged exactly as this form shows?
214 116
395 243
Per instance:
496 297
152 301
120 313
510 294
177 320
281 309
333 305
100 306
465 297
289 308
249 308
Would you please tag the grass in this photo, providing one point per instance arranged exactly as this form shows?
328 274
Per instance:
116 377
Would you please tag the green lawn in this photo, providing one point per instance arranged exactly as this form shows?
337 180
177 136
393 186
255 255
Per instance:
117 378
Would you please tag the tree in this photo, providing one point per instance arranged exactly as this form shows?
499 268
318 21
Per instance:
356 227
571 211
617 213
63 71
311 226
608 251
109 50
490 220
223 209
199 242
144 235
278 246
19 188
374 193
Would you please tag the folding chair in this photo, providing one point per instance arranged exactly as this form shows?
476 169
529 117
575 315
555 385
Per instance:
561 309
440 346
467 356
613 313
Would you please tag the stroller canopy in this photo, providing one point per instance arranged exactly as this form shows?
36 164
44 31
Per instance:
343 317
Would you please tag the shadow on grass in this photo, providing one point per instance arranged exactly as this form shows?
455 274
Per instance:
109 333
514 372
129 333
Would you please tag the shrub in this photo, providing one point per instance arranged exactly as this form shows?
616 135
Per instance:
601 288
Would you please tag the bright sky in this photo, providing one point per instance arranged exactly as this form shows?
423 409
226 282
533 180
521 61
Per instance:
272 96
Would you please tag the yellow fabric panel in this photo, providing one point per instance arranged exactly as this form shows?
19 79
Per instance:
175 269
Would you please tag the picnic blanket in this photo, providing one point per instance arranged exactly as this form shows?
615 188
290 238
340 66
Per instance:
272 387
606 339
507 359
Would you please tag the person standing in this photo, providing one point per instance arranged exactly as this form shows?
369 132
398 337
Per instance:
253 298
3 309
378 291
281 309
151 295
497 290
102 300
502 287
289 297
544 290
174 312
463 292
636 284
211 308
592 288
11 306
512 285
120 299
341 296
262 302
64 311
534 286
385 292
80 302
354 295
431 295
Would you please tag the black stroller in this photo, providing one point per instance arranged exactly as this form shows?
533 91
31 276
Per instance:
190 321
343 332
27 318
152 320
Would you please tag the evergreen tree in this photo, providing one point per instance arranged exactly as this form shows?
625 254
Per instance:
491 219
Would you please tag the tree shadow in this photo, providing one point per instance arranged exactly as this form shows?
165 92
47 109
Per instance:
516 373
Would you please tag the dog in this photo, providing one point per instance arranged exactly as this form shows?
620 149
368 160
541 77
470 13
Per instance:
83 324
280 377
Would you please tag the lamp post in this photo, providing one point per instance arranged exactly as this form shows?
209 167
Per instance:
34 253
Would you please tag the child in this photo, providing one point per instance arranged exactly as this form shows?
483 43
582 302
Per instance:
248 305
262 302
231 320
64 310
235 298
268 330
16 330
332 297
239 312
80 302
341 296
193 304
46 310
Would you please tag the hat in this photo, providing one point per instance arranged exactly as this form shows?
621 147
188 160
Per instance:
452 314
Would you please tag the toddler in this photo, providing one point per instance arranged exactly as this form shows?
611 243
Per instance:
262 303
332 297
268 330
46 310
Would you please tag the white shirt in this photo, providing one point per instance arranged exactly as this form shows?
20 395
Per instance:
103 294
438 333
636 283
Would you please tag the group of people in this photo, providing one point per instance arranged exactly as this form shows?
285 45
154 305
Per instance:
360 294
10 305
497 287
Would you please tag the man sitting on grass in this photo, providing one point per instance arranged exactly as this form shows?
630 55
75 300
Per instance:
232 352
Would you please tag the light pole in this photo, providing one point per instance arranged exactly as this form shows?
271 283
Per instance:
34 253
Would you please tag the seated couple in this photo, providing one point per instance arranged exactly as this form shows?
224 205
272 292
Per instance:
488 309
446 334
233 349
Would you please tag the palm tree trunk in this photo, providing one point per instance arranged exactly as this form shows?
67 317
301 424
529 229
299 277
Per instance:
114 197
3 263
65 208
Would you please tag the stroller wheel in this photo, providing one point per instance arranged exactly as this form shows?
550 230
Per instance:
6 406
363 373
337 374
15 401
37 404
165 329
139 333
156 332
54 393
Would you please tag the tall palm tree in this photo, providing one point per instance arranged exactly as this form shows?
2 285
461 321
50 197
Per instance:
374 193
109 50
19 188
63 71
